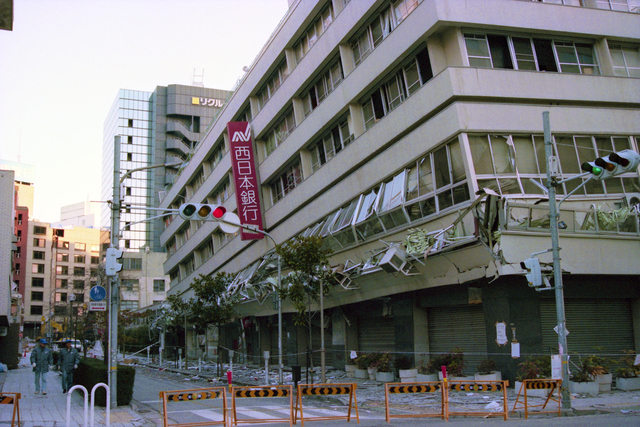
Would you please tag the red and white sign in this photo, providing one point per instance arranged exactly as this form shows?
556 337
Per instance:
245 178
98 306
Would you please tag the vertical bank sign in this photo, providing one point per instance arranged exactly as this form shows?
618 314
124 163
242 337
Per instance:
245 179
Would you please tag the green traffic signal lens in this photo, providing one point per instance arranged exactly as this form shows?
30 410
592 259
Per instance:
588 167
596 170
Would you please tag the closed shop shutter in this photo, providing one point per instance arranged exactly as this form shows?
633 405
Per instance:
605 323
376 334
462 327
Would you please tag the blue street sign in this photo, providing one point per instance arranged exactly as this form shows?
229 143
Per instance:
98 293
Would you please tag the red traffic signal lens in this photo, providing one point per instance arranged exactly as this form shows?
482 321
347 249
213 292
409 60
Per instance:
219 212
614 157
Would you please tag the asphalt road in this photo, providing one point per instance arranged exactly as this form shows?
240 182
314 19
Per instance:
149 383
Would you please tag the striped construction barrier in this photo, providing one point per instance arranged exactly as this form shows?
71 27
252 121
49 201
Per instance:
267 391
479 387
326 390
414 388
12 399
553 385
194 395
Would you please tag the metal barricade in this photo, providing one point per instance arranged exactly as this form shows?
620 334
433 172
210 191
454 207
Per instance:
238 392
480 387
12 399
552 385
194 395
326 390
414 388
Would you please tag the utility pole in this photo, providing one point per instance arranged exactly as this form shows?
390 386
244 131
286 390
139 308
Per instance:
114 282
557 272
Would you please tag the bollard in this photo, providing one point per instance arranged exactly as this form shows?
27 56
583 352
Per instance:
266 367
296 372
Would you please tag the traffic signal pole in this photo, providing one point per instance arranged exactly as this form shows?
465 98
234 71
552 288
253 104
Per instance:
557 272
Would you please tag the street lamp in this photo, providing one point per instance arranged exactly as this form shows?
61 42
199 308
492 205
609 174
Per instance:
114 282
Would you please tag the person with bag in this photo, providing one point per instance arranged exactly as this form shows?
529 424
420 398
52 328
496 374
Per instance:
41 359
67 364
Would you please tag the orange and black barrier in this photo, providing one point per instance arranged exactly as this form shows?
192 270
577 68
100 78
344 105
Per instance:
479 387
194 395
241 392
326 390
12 399
552 385
414 388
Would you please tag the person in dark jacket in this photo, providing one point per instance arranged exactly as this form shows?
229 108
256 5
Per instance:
41 359
67 363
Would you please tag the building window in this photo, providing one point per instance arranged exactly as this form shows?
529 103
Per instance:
37 296
524 53
130 284
78 284
330 144
130 123
271 86
132 263
130 139
626 60
313 32
37 268
62 257
380 27
79 259
220 194
62 270
40 243
37 282
95 248
38 255
158 285
128 305
79 297
620 5
322 87
62 245
37 229
95 260
35 310
411 76
62 283
276 135
286 182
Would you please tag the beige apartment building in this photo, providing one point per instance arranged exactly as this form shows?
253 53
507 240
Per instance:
377 120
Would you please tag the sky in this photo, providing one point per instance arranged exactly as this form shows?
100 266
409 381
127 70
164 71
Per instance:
65 60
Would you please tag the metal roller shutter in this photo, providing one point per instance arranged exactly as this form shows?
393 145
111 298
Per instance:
605 323
376 334
463 327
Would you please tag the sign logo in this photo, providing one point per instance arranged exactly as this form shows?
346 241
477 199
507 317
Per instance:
207 102
242 136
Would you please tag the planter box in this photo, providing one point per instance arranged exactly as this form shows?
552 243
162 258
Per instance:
362 374
450 378
543 393
408 375
494 376
628 384
350 370
425 378
589 388
605 382
385 377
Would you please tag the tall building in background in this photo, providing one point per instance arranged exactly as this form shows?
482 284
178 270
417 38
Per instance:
82 214
154 128
409 135
25 182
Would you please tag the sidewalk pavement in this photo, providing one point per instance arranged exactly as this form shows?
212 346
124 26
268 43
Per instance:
50 410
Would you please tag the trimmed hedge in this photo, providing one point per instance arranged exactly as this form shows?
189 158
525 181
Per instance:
93 371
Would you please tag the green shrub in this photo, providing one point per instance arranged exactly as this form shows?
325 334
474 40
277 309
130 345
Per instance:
93 371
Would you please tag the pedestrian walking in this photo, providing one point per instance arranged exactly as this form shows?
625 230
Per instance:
41 359
67 364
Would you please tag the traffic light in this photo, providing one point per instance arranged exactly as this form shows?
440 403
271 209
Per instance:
612 165
202 212
533 272
112 266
